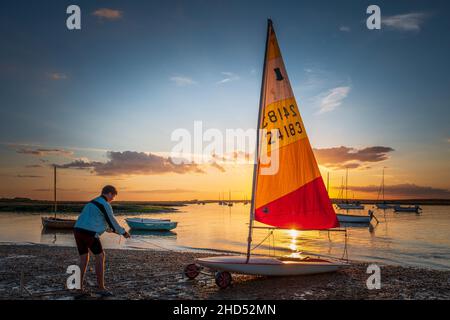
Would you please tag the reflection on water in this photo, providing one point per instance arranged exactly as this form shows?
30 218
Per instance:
407 239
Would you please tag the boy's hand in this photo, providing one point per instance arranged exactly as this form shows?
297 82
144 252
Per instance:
126 235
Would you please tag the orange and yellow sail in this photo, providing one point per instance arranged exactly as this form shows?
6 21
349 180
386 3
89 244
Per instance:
294 196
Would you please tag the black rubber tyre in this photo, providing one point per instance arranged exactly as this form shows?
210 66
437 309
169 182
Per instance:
192 271
223 279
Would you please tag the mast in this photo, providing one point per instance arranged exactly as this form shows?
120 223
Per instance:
255 165
328 182
55 206
346 185
382 184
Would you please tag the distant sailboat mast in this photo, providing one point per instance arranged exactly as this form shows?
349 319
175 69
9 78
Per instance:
346 185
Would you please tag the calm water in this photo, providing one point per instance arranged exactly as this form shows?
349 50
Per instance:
400 238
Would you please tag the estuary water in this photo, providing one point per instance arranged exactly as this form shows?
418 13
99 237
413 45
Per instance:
404 239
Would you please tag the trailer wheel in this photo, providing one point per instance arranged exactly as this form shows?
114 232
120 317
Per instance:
223 279
192 271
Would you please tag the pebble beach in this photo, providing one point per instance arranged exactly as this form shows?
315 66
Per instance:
38 272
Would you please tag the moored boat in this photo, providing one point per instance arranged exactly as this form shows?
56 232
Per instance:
54 222
384 206
354 218
151 224
57 223
414 209
350 206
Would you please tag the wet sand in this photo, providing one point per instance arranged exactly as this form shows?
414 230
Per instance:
153 274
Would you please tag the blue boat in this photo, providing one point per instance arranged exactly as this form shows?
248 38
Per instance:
151 224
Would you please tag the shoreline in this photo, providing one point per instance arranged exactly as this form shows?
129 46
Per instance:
158 274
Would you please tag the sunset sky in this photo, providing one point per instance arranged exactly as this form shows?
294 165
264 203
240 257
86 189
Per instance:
103 101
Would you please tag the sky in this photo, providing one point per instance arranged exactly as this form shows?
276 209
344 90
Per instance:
103 102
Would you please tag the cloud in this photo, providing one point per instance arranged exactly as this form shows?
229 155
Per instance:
57 76
405 22
346 157
28 176
34 166
133 163
109 14
405 190
228 77
58 189
344 29
41 152
183 81
332 99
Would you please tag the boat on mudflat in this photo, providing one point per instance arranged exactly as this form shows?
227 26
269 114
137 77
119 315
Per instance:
281 200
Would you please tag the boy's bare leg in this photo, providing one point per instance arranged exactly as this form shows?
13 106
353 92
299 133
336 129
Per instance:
84 261
100 270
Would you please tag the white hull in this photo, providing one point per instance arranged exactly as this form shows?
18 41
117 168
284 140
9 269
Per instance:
269 266
352 218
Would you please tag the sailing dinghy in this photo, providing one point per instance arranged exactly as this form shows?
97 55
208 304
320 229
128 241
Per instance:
55 222
294 197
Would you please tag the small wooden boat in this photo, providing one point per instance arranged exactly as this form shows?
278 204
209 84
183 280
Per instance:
151 224
415 209
54 222
57 223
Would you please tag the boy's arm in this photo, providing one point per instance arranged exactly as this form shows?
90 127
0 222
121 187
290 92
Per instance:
113 222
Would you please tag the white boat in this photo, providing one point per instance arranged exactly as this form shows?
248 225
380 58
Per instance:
354 218
383 205
280 199
345 204
151 224
350 206
270 266
415 209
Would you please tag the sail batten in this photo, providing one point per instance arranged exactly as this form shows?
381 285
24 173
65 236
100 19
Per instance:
295 196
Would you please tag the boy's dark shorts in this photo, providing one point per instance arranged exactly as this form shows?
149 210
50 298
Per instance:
86 240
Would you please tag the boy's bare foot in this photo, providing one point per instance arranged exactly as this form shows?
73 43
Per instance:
105 293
